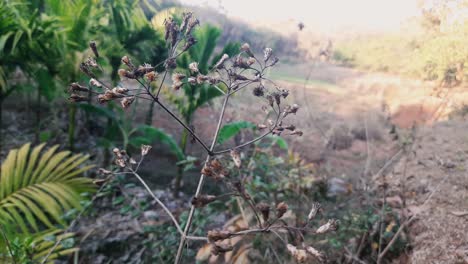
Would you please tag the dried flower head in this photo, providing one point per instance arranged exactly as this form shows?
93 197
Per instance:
246 48
91 62
300 255
145 149
126 74
216 235
85 69
202 78
192 80
127 101
331 225
222 60
193 67
104 172
202 200
142 70
170 63
177 77
281 209
189 42
264 208
77 98
316 208
315 253
151 76
235 155
127 61
95 83
76 87
185 20
267 54
259 91
92 45
168 24
251 61
217 249
119 91
192 23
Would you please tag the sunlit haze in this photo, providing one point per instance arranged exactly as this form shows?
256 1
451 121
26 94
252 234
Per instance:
330 15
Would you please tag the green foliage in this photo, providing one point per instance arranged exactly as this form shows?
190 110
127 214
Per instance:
36 190
230 130
33 249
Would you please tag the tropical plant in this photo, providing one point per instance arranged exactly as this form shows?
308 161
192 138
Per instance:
36 190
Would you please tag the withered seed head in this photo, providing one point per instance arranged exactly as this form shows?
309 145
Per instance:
151 76
264 208
145 149
258 91
94 82
246 48
177 77
316 208
127 101
193 67
236 158
92 45
124 73
220 63
77 98
127 61
75 87
170 63
201 78
267 54
331 225
219 249
202 200
192 80
281 209
216 235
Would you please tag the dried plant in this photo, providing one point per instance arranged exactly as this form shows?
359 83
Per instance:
229 76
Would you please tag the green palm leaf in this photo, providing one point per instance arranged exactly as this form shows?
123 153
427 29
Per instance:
36 190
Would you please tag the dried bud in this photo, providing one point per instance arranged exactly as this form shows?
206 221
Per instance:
124 73
216 235
85 69
284 93
168 23
170 63
94 82
127 101
277 97
75 87
275 60
92 45
104 172
189 42
142 70
192 23
77 98
331 225
174 34
300 255
251 61
264 208
315 253
185 21
267 54
297 132
220 63
239 62
193 67
201 78
270 99
236 158
238 77
145 149
192 80
246 48
214 80
178 77
120 162
290 109
281 209
151 76
219 249
316 208
119 90
202 200
91 62
127 61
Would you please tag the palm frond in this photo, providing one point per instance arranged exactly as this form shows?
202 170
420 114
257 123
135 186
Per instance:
36 190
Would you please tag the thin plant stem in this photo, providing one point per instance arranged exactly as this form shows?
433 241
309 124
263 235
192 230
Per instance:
7 242
200 183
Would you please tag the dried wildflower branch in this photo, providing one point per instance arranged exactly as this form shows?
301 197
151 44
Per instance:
228 76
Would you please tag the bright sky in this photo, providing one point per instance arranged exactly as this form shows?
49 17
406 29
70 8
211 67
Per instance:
324 15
